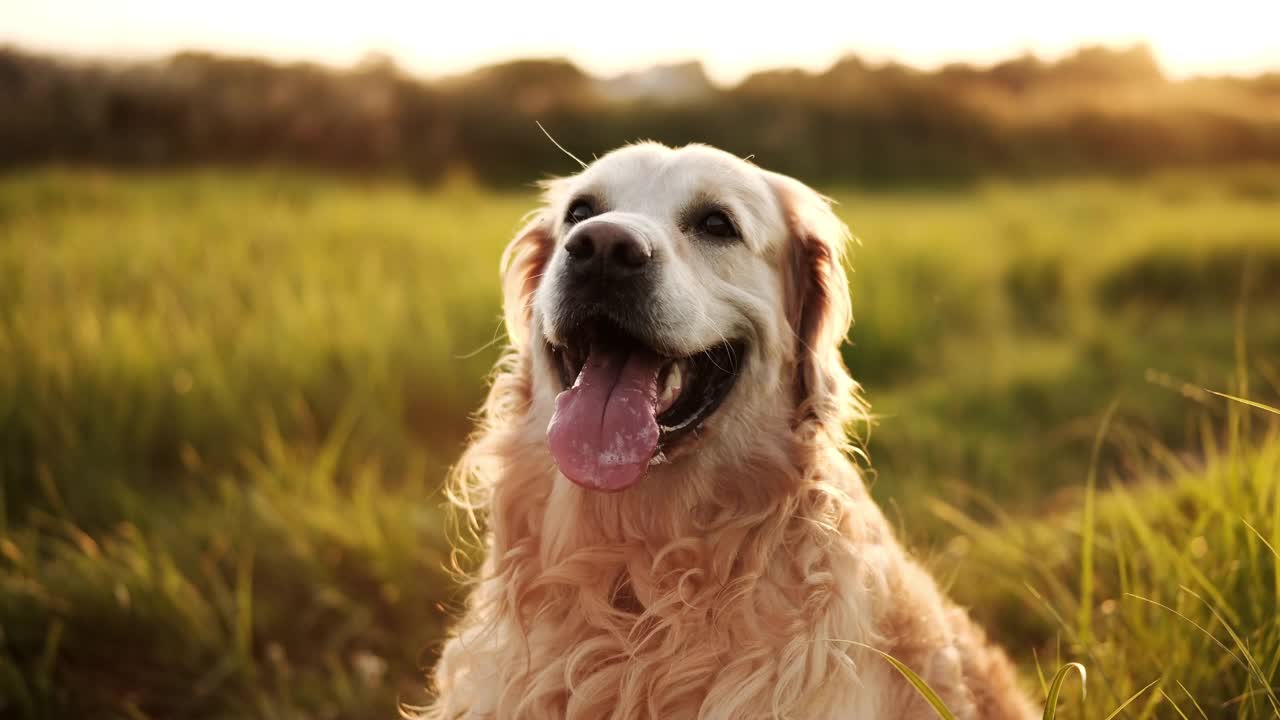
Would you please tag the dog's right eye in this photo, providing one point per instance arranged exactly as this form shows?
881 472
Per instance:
579 211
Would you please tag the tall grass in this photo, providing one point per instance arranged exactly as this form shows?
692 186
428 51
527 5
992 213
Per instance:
227 400
1166 588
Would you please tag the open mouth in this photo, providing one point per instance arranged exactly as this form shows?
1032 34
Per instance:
625 404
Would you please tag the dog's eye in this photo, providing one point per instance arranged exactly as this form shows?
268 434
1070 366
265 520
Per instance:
579 211
717 224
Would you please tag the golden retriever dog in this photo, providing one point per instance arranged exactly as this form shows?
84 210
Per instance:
673 524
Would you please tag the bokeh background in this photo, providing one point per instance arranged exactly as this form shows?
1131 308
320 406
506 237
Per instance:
249 298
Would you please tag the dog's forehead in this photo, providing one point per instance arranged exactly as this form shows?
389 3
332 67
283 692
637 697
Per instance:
656 180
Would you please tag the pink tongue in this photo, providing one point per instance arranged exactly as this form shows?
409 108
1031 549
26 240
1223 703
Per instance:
603 433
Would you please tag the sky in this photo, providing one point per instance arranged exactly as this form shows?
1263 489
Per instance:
731 38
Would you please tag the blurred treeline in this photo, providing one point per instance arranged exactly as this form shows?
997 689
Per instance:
1098 110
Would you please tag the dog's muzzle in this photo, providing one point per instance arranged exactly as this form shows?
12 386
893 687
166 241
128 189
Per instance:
606 267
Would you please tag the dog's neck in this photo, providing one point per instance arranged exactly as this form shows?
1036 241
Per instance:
724 519
747 558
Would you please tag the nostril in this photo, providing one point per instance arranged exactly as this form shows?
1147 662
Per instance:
580 247
629 253
606 250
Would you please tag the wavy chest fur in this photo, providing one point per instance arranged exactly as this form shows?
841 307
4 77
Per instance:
590 608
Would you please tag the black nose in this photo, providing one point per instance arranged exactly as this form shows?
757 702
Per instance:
607 251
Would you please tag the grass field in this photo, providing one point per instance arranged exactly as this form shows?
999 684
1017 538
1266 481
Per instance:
227 401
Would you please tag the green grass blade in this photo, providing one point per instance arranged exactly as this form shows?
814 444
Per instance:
1274 554
1246 401
1196 625
1044 682
1187 692
1132 698
1174 703
1250 662
1087 522
1055 688
916 681
49 655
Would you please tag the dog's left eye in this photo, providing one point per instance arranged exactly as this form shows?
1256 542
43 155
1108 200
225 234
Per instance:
579 211
717 224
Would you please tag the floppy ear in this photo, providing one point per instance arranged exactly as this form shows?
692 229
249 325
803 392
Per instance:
523 262
818 306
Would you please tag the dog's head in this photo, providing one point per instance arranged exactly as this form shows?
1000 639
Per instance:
666 299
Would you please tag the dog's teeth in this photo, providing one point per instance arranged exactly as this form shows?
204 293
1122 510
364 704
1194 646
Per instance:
670 387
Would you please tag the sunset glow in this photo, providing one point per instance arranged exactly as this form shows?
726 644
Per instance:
1234 36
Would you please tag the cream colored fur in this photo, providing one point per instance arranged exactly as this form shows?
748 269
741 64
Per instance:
742 578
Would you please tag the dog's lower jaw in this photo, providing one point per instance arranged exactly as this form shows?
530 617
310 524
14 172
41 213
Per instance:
586 612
